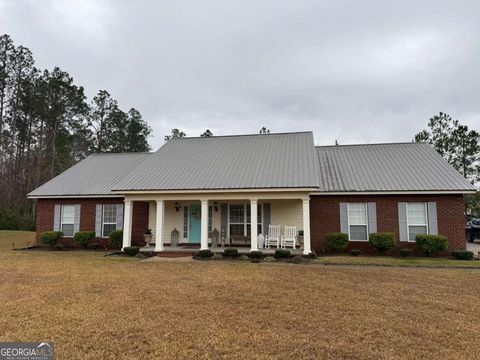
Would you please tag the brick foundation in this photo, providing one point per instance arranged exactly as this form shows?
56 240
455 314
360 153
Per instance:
325 217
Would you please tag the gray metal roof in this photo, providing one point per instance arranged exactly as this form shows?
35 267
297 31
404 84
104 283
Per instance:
228 162
93 176
386 167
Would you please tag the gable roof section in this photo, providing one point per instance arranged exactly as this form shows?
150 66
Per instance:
94 176
228 162
386 167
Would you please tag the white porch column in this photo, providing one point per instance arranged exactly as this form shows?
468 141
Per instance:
204 225
159 225
127 224
306 226
253 225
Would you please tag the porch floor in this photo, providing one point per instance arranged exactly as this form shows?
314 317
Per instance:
218 249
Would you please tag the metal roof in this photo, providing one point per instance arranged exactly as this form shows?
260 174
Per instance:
228 162
93 176
386 167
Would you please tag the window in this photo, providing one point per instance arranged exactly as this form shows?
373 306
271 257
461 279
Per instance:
417 222
210 221
240 219
109 219
237 220
357 222
68 220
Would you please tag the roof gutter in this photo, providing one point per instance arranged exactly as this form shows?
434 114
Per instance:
74 196
404 192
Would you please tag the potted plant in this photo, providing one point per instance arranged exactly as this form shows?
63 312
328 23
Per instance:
148 237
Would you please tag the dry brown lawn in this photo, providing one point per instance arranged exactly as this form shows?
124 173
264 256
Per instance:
110 308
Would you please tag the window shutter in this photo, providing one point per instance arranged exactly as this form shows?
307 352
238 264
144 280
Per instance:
56 217
402 221
76 219
432 218
224 218
372 217
119 216
267 217
98 220
344 218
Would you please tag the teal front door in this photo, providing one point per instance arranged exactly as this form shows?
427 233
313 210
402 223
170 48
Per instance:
195 224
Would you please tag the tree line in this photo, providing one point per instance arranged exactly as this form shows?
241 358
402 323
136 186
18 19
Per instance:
47 125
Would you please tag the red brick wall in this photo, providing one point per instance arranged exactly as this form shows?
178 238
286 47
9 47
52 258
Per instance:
46 208
325 217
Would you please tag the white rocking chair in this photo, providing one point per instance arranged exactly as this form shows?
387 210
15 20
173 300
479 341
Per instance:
273 237
289 237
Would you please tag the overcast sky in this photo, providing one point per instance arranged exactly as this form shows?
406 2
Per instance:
356 71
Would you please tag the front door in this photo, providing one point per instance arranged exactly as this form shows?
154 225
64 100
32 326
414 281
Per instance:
195 223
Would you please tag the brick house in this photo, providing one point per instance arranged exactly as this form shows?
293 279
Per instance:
228 190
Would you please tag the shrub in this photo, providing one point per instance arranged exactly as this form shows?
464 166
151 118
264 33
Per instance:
230 252
84 237
431 244
244 258
281 254
336 242
462 254
131 250
50 237
382 242
355 252
256 254
116 237
405 252
269 259
203 254
297 259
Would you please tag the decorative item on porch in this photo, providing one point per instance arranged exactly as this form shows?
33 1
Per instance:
174 237
215 237
222 236
300 238
261 241
148 237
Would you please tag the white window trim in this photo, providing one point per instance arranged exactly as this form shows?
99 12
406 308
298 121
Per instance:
408 224
107 223
245 223
62 223
366 217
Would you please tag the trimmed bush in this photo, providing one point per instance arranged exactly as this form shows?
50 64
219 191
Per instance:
230 252
50 237
203 254
355 252
84 238
131 250
431 244
405 252
336 242
256 254
382 242
116 237
282 254
462 254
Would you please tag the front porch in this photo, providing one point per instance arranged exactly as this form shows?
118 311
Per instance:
183 223
187 249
